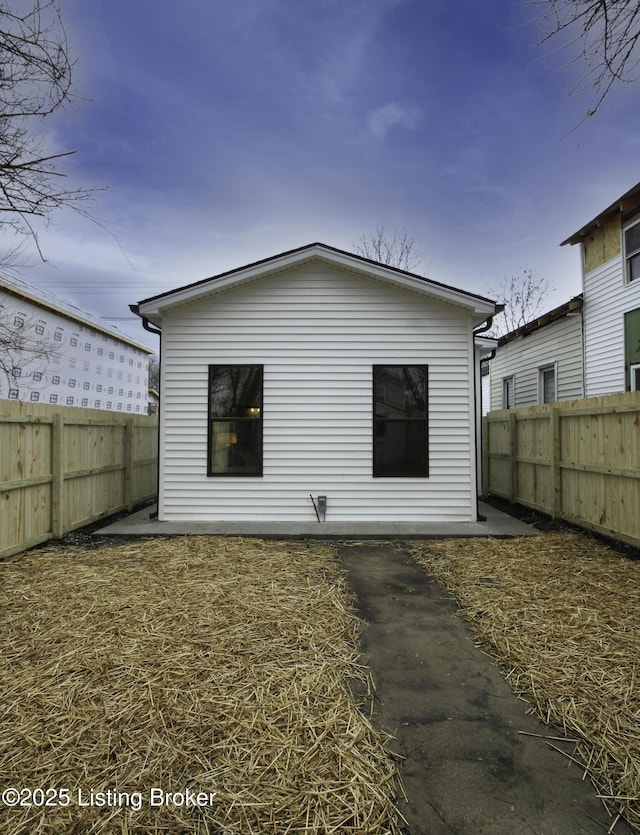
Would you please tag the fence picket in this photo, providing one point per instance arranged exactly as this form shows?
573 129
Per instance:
585 469
63 467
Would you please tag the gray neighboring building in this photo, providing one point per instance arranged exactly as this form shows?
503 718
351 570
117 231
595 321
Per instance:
540 362
610 251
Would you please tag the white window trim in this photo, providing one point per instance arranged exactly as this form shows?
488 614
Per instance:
548 366
635 368
625 255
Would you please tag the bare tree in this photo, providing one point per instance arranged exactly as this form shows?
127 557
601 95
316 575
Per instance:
395 251
35 81
523 295
604 36
25 353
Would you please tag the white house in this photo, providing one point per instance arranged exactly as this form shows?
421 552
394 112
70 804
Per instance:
318 384
53 352
540 362
610 249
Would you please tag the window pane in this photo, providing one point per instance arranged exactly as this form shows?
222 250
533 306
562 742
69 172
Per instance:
236 447
507 393
236 391
400 448
400 391
548 385
632 238
634 267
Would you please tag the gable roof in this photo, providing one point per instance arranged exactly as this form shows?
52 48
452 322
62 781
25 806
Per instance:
625 206
42 297
154 307
554 315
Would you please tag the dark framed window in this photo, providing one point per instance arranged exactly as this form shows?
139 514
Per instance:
400 421
632 250
235 420
508 392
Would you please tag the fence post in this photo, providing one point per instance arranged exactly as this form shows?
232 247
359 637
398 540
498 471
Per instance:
556 474
57 476
513 455
128 464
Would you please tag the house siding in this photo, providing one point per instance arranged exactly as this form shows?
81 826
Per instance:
559 342
317 331
84 365
606 299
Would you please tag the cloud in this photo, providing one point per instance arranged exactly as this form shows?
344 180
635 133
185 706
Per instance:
392 115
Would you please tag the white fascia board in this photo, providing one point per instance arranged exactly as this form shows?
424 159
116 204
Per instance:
153 309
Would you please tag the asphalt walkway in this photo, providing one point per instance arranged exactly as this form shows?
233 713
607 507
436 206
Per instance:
473 761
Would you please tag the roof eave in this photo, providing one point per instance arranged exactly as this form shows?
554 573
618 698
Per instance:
154 307
624 206
22 293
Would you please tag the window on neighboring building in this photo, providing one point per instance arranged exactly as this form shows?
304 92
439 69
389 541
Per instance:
508 392
53 398
632 347
69 401
400 421
18 322
235 420
547 392
35 396
632 250
37 376
13 394
634 381
40 328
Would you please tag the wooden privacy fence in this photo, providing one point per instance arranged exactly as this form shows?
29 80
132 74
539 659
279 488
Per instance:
577 460
64 467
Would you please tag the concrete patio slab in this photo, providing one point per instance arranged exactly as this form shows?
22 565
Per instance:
497 524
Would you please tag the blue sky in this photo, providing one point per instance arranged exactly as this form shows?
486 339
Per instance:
226 132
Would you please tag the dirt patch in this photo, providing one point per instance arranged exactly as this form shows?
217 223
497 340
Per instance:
213 672
544 522
560 612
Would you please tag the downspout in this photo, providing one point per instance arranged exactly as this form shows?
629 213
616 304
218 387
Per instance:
151 328
483 328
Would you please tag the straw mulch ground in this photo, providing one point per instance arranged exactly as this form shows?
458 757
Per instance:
193 664
561 613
